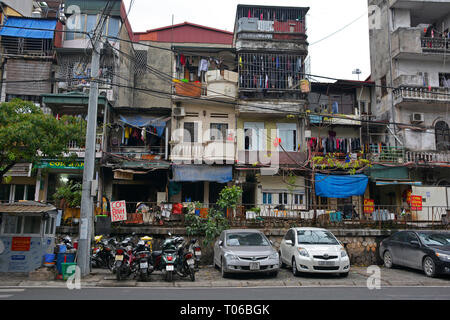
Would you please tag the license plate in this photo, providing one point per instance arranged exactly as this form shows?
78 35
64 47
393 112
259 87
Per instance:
190 262
326 263
119 258
198 253
143 265
169 267
254 265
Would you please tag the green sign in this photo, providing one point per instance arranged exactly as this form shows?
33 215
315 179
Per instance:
61 165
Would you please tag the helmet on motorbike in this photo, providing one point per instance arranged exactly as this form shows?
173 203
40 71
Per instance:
98 238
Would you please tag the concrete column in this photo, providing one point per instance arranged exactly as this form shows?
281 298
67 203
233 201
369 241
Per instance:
206 192
38 185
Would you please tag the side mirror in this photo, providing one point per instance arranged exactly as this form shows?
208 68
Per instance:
415 243
220 243
289 242
271 242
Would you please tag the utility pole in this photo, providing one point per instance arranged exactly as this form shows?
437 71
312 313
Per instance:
87 203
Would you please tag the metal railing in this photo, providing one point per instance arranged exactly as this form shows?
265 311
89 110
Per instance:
389 154
422 93
435 44
427 157
73 146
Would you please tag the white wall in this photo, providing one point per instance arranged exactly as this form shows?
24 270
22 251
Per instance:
401 18
413 67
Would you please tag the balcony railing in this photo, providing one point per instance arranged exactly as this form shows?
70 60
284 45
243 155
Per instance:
427 157
210 151
435 44
73 146
422 93
386 154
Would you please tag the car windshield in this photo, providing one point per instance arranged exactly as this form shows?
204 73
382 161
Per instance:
435 239
315 237
246 239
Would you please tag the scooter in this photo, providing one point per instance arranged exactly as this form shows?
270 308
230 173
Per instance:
123 260
165 259
103 255
142 262
185 264
197 250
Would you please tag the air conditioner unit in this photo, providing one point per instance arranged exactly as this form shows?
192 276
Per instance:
108 93
417 117
179 112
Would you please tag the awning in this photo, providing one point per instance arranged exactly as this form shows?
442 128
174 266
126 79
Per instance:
336 186
29 23
141 121
191 173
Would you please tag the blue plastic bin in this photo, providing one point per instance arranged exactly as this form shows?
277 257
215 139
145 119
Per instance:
70 257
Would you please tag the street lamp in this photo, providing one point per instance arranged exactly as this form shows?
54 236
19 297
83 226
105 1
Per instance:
357 71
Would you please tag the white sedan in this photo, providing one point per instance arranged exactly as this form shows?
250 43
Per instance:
313 250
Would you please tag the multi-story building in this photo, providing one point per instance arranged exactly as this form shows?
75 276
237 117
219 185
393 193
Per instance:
271 48
191 70
409 45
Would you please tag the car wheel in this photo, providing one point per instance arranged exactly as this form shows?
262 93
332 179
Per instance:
294 268
343 274
282 264
222 269
274 274
429 267
387 258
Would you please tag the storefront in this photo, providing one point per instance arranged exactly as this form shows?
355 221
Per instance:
27 233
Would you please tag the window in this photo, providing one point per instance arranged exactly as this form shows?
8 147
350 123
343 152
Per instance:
12 224
91 22
218 131
383 86
316 237
442 134
5 190
287 133
32 225
267 198
190 132
113 27
254 136
50 226
298 198
247 239
283 198
444 80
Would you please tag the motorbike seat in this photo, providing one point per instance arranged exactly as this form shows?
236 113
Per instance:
156 253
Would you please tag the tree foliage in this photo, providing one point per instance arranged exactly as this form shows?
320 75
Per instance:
28 135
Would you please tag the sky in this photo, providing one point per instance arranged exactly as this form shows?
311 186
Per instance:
336 56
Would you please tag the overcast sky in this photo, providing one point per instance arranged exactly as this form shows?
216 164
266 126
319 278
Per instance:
336 56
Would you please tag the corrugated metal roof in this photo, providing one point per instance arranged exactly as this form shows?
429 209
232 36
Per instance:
26 207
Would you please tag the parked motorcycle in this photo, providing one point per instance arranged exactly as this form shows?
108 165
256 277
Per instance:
142 262
197 250
164 260
103 255
123 260
185 263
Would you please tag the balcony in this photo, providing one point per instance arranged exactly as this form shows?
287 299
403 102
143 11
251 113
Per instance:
409 43
388 154
74 148
220 86
422 94
292 159
422 157
218 152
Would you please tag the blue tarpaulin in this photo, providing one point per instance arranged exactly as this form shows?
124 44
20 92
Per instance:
335 186
191 173
46 27
144 121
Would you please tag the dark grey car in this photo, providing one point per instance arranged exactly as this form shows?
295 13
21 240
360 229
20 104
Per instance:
245 250
424 250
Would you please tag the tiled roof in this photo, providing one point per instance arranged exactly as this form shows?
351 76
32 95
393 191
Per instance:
26 206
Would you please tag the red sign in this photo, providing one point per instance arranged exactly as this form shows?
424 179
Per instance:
416 203
369 205
20 244
118 211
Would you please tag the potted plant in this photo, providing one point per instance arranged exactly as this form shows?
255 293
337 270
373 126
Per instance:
69 198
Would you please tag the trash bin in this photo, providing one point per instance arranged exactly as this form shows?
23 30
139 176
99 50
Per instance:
68 269
49 260
64 258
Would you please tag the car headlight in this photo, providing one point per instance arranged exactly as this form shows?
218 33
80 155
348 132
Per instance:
230 256
274 255
343 253
443 256
303 252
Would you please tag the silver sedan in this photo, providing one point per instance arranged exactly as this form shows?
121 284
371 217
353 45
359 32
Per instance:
245 250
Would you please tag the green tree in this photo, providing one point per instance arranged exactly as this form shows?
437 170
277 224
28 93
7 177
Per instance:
29 135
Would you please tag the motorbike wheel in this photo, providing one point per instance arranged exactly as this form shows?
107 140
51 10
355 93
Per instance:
143 276
169 276
192 274
119 275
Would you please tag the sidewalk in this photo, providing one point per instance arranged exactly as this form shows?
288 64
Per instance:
210 277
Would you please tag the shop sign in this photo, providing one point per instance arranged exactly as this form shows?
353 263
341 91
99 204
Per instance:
62 165
369 205
118 211
416 203
20 244
304 86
